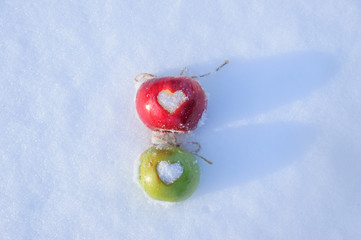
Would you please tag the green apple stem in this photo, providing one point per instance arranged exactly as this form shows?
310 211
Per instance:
166 139
195 152
170 139
205 159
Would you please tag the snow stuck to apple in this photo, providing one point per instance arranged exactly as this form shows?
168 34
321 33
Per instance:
171 101
169 173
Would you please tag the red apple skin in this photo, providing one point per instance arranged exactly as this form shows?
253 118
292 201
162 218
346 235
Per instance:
185 118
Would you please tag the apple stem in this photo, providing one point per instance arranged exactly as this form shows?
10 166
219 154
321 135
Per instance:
142 77
162 138
217 69
205 159
170 139
195 152
185 69
198 146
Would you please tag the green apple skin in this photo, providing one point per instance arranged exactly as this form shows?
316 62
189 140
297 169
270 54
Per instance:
177 191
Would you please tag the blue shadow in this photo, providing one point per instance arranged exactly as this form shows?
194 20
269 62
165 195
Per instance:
244 89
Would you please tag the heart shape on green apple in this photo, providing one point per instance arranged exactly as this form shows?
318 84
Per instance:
168 172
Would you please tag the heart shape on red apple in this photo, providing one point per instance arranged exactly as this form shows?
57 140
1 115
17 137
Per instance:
171 103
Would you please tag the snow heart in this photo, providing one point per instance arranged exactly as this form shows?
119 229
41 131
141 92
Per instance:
171 101
168 172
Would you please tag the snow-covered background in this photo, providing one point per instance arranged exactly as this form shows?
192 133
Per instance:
283 127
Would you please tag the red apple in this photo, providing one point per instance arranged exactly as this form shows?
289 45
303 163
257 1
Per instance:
171 103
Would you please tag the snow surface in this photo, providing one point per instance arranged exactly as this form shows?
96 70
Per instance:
283 120
169 173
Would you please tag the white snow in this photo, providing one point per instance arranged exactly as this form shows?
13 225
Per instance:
171 101
283 122
169 172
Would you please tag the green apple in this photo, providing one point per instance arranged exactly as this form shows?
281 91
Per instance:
169 174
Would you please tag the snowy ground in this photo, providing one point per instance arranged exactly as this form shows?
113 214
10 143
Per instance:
283 127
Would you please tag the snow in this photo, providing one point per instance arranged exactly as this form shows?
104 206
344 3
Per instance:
168 172
283 118
171 101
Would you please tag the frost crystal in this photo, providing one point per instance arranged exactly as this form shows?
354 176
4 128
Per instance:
171 101
169 173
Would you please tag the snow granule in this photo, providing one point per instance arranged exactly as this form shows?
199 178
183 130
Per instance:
169 173
171 101
203 119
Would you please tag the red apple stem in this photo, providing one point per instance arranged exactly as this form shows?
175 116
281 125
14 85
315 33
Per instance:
185 69
142 77
217 69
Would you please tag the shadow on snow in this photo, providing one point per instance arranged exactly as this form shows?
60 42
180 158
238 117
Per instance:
245 89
